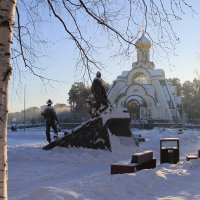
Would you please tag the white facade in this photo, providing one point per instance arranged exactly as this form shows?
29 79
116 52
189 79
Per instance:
144 92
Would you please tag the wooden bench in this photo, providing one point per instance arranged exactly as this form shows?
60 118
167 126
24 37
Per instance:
139 161
121 168
142 157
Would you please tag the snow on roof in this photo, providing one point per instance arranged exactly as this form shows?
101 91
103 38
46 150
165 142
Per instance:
150 90
123 75
156 72
123 90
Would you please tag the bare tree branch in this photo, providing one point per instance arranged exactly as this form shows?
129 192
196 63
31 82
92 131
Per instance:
120 23
27 63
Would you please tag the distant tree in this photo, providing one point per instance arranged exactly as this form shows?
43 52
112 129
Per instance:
188 94
35 113
191 100
196 87
196 98
76 18
62 111
107 86
176 82
77 99
30 113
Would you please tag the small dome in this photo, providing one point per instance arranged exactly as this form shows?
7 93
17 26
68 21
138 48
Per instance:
143 43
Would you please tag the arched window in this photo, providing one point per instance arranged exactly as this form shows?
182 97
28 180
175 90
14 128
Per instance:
141 78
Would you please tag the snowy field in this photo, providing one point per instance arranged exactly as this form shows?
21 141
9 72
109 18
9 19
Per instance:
84 174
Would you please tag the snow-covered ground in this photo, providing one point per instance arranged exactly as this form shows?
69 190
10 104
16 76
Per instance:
84 174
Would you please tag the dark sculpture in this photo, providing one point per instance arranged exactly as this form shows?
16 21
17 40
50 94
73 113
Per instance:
99 93
104 121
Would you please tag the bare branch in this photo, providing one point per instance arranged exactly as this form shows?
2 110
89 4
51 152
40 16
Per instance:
103 23
27 63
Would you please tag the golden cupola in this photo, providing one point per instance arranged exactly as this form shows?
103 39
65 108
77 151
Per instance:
143 46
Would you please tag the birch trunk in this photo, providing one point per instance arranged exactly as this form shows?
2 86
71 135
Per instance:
7 14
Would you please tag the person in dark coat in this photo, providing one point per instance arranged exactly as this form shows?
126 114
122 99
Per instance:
99 92
50 116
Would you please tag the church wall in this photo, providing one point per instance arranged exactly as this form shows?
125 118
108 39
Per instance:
160 114
114 91
178 100
155 112
162 99
136 90
121 103
139 91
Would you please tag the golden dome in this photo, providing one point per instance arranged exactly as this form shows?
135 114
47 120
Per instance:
143 43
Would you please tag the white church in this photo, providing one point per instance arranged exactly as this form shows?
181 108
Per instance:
144 91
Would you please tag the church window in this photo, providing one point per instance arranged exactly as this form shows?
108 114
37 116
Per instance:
141 78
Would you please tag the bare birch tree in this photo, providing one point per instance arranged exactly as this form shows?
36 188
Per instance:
120 21
7 13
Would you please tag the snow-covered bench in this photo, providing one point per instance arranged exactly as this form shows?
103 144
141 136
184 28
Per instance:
193 156
190 157
139 161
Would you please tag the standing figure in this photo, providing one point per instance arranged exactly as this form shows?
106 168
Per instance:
92 104
99 92
50 116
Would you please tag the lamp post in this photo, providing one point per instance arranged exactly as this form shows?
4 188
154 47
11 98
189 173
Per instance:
24 107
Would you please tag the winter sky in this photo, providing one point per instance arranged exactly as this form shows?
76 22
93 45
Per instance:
61 58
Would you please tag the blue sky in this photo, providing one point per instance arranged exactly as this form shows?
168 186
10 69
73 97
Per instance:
61 59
